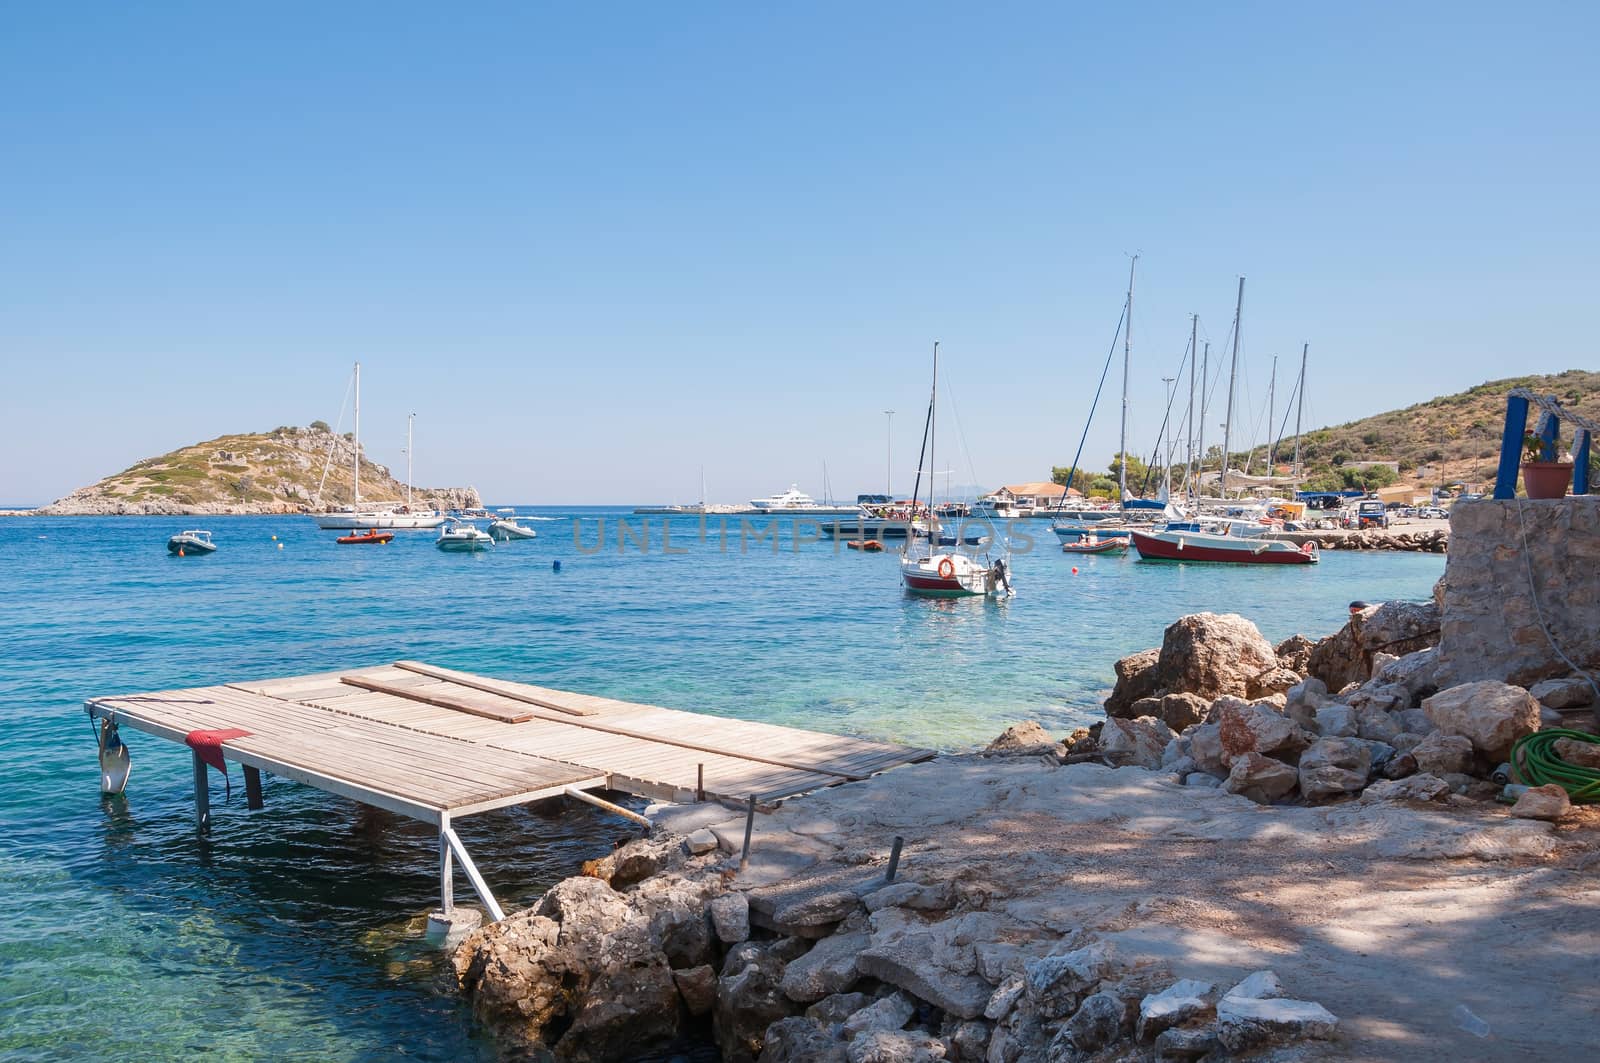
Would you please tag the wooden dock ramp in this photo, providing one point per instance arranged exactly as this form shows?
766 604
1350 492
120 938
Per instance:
435 744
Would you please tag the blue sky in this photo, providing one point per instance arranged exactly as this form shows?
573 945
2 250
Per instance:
597 247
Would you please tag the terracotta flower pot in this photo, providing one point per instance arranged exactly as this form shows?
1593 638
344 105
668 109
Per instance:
1546 479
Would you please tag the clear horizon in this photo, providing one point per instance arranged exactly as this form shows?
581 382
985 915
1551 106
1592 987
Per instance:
596 251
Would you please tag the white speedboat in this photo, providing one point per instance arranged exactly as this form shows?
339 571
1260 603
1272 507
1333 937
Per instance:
950 574
191 542
507 529
463 537
796 501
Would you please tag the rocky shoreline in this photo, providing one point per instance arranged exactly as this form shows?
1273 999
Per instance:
1293 851
1034 917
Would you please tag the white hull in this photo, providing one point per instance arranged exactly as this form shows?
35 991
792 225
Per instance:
380 520
505 531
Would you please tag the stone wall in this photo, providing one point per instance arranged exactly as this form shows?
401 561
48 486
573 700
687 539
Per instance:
1490 627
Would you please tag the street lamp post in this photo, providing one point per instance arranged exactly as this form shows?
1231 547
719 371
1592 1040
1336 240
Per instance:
888 456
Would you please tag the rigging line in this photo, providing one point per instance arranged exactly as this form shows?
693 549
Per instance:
328 460
1288 408
1149 469
961 433
1112 353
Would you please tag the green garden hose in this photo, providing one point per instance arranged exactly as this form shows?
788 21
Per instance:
1534 761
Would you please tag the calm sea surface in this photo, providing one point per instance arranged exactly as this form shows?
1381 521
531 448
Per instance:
294 931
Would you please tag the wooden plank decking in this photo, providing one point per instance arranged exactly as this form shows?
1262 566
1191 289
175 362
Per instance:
432 743
435 744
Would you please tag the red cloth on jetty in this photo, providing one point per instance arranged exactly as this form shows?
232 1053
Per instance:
208 744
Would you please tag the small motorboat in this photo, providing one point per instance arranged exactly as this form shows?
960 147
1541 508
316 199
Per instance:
1093 544
191 542
463 536
870 546
371 535
507 529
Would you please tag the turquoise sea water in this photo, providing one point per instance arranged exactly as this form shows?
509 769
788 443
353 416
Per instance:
292 931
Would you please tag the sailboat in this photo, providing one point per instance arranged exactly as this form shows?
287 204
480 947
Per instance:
373 515
1222 539
925 568
1070 526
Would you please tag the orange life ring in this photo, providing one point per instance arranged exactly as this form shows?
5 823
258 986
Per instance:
947 568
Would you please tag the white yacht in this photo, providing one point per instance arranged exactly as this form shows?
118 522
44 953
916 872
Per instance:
375 515
797 501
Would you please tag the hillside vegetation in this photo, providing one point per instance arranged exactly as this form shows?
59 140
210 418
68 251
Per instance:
269 472
1450 439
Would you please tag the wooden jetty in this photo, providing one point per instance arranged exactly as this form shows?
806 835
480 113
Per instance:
436 745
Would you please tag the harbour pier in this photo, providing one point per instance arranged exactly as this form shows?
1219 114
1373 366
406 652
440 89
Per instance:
437 745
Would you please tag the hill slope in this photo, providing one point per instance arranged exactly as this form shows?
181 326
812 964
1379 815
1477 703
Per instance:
1450 439
268 472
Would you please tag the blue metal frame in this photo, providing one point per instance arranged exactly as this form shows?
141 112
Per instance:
1505 482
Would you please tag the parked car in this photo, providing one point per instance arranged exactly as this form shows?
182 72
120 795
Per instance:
1371 514
1434 513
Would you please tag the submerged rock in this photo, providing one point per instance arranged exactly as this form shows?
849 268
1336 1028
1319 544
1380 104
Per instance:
1025 739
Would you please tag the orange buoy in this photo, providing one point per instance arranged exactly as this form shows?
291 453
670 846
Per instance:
1074 570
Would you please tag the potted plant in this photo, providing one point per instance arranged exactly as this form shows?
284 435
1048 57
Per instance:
1543 479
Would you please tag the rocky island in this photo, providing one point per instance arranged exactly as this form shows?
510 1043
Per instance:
281 471
1300 851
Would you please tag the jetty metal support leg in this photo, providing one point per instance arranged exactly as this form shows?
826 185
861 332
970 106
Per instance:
600 802
894 859
252 788
447 890
480 887
1580 459
202 795
1505 481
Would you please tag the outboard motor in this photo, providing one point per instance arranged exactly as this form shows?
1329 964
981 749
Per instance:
1000 576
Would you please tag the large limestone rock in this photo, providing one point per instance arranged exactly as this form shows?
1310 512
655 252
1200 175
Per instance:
730 917
801 1040
1572 692
1246 727
1173 1006
1212 655
1400 628
1334 767
1054 986
1442 754
1100 1019
1136 743
1136 679
1493 715
1261 779
1183 710
1294 653
1549 802
624 1011
828 968
936 962
749 1000
1492 624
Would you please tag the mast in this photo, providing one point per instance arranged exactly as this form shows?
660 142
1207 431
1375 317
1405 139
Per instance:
1200 444
1127 358
702 488
356 462
1272 411
888 456
933 438
1299 411
1188 436
1233 372
409 418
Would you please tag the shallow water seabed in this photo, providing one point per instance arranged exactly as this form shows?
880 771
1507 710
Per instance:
287 930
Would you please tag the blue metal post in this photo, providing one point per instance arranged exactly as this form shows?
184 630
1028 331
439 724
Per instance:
1505 481
1549 433
1580 458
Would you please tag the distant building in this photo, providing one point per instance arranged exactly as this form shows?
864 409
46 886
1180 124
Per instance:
1031 496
